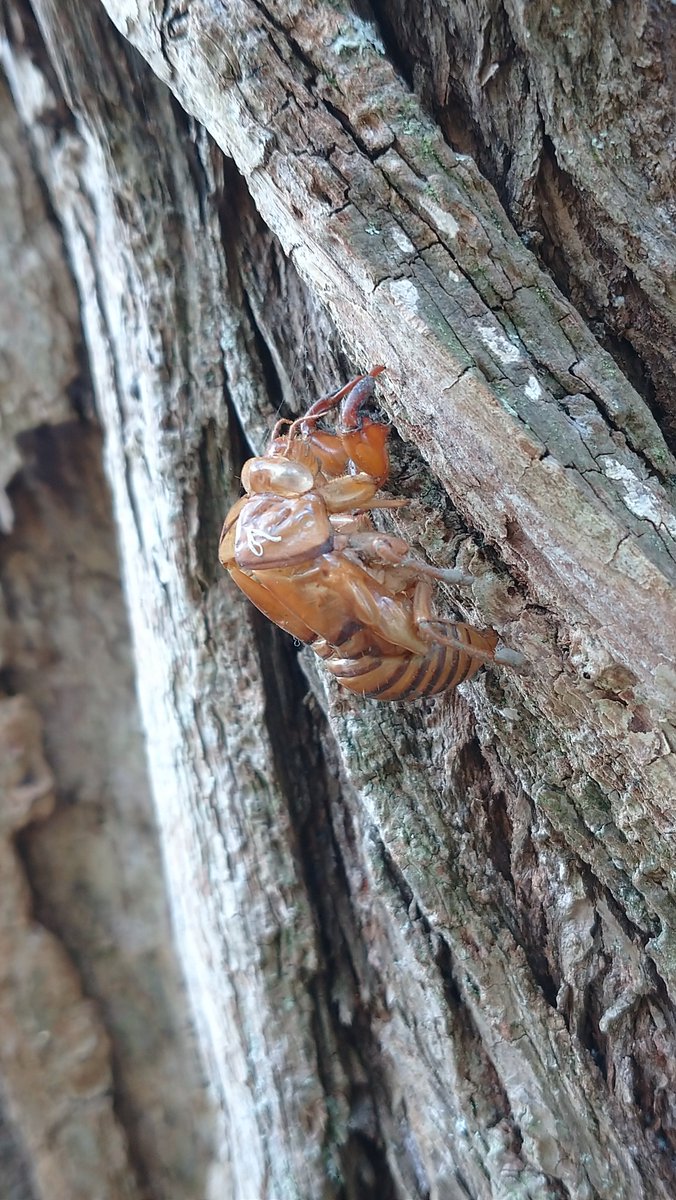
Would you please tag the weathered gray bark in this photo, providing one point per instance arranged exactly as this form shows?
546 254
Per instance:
429 951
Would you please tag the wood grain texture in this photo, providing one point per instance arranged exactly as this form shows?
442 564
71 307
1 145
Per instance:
430 950
567 112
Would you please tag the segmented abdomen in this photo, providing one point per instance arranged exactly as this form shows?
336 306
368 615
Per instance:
406 677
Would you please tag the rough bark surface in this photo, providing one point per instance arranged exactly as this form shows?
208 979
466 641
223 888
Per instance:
568 111
98 920
430 951
39 326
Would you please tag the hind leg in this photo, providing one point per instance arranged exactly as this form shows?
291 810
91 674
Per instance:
479 644
403 570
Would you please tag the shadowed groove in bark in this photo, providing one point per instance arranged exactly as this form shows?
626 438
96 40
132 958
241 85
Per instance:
522 914
466 1035
560 209
288 332
310 793
651 1021
46 914
212 500
642 1020
297 734
54 456
589 1032
653 1096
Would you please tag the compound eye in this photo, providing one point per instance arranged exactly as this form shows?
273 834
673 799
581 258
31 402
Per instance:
280 476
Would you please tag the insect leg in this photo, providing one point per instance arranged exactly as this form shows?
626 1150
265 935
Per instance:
348 492
394 551
355 396
476 643
358 438
332 399
479 644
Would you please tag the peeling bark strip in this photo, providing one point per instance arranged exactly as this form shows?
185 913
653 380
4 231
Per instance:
430 950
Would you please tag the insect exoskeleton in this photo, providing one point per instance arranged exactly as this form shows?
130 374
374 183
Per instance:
301 545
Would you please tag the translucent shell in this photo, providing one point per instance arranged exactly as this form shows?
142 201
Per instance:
281 531
282 476
302 546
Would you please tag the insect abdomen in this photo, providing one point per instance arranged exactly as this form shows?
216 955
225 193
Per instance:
405 677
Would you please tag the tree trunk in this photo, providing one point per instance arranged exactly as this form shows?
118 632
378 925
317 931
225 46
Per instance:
428 950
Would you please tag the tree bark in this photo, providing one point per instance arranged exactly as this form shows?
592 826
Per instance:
429 950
